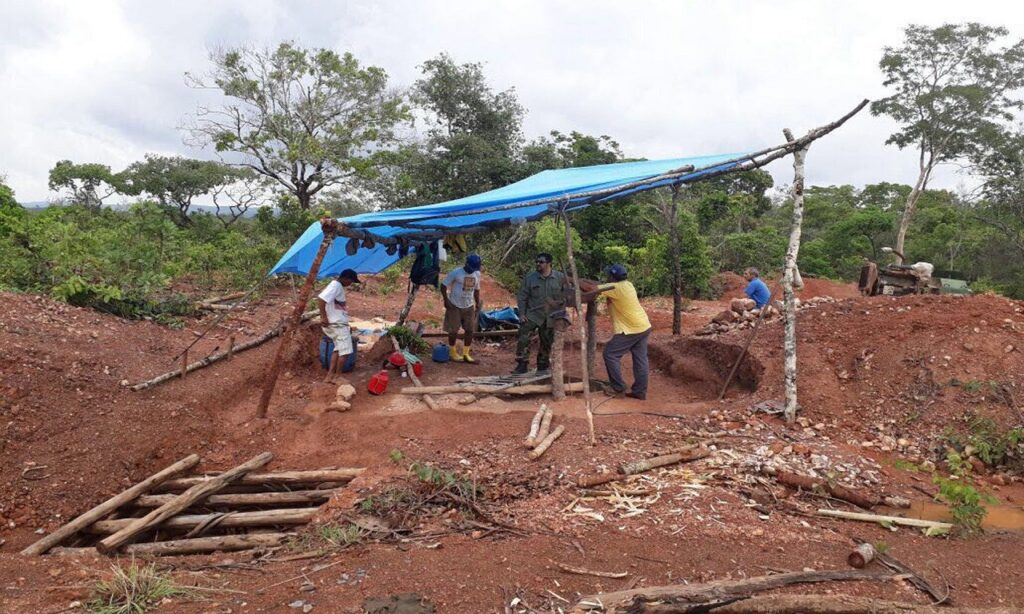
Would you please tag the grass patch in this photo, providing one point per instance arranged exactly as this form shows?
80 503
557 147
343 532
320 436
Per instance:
133 590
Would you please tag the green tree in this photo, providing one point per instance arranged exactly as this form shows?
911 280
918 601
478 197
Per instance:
83 184
951 87
306 119
472 140
177 181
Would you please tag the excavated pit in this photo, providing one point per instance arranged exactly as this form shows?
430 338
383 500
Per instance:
701 365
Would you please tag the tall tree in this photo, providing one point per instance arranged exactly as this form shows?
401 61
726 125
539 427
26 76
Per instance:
83 184
952 85
472 140
177 181
306 119
1000 164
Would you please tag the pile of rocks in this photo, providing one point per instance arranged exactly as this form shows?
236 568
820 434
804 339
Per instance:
743 313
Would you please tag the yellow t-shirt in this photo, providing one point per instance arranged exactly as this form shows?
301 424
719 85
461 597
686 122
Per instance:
628 316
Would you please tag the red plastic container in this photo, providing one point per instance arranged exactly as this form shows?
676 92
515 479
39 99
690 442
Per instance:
417 368
378 384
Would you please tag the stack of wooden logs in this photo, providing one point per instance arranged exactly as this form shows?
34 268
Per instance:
234 510
541 436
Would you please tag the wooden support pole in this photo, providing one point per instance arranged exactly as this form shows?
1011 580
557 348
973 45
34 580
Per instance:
291 497
281 478
789 298
404 314
262 518
108 506
582 326
909 522
197 493
591 341
329 228
558 361
184 363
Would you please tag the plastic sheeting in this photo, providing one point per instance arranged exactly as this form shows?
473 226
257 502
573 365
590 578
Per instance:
469 214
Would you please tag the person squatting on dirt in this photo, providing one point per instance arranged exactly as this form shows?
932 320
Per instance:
541 294
756 290
461 293
631 330
334 317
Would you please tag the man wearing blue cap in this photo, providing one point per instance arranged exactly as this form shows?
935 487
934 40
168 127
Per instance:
631 326
461 293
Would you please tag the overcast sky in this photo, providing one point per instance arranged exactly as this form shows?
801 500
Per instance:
102 81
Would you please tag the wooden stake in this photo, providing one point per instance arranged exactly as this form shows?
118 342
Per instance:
316 476
543 446
108 506
789 298
197 493
582 327
329 228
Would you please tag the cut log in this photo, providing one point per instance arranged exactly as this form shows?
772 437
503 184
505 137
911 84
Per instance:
701 594
588 481
558 361
108 506
909 522
817 604
545 426
861 556
158 516
296 497
689 454
199 545
316 476
477 389
262 518
795 480
212 358
543 446
531 439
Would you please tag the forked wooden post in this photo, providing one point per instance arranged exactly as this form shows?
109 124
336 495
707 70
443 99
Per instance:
408 305
582 326
789 298
330 230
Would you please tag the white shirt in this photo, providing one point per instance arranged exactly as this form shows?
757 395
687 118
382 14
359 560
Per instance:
461 286
334 296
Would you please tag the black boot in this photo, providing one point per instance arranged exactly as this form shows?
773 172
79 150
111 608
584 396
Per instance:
521 367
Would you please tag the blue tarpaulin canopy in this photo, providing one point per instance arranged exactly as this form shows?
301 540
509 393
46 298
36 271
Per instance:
529 199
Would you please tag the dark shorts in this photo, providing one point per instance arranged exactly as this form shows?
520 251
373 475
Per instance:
456 318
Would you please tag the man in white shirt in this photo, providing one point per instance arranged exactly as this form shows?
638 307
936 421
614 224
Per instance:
334 319
461 293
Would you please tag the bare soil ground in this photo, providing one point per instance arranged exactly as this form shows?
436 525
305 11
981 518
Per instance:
881 380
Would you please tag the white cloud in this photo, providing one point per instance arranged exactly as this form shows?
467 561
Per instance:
103 80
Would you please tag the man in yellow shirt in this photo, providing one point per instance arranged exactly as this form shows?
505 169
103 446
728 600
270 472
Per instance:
631 327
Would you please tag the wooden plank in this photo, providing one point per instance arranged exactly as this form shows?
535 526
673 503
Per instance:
316 476
909 522
476 389
253 498
110 505
158 516
261 518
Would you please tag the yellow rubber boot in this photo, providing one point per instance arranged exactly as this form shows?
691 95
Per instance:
453 354
465 355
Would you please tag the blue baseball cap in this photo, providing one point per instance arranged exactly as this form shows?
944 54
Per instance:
473 262
617 272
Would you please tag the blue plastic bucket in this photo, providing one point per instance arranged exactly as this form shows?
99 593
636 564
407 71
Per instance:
440 353
327 348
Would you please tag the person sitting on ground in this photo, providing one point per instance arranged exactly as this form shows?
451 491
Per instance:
541 294
334 320
460 291
631 328
756 290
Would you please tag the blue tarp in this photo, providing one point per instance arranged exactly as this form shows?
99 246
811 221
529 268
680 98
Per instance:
541 191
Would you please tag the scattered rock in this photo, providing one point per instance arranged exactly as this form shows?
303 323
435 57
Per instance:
339 406
741 305
346 392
